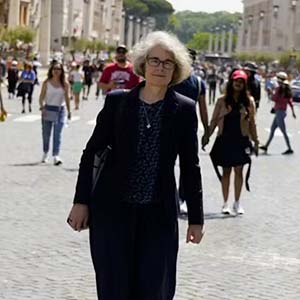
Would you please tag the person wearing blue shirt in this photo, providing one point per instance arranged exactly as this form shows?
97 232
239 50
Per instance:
26 85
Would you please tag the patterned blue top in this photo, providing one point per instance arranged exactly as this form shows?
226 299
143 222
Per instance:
144 171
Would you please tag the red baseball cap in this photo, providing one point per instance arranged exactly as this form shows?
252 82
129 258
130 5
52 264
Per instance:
239 74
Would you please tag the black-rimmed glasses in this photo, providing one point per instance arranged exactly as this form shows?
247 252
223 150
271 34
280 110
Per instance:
155 62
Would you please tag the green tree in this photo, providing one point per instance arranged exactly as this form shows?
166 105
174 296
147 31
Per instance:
199 41
25 35
158 9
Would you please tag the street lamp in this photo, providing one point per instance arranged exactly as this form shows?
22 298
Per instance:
293 4
275 10
261 14
250 19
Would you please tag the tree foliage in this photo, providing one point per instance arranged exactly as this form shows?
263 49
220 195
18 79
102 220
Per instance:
193 22
21 34
158 9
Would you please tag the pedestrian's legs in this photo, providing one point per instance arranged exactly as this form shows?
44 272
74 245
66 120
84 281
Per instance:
58 127
30 99
273 128
209 94
238 182
281 124
76 99
214 95
46 132
225 183
23 102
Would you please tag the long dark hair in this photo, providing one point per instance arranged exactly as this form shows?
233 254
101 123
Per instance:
285 90
243 99
62 74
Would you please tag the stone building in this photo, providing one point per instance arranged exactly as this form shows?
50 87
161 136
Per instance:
269 26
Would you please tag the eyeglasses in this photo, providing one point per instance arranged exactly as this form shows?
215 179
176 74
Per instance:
155 62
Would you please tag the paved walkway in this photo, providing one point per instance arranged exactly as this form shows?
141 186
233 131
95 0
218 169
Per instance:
254 257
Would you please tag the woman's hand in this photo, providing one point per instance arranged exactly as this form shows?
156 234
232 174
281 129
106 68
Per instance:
194 234
79 217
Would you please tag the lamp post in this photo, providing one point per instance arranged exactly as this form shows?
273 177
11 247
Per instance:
241 32
216 46
223 39
249 32
210 42
130 32
230 40
293 24
274 41
137 30
260 30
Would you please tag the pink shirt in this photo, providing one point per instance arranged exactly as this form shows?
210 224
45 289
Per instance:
281 102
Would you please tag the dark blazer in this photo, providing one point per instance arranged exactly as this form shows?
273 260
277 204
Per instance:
117 124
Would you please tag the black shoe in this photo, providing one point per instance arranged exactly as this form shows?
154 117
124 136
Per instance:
288 151
264 148
23 111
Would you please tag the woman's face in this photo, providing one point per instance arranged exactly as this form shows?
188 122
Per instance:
57 69
238 84
159 67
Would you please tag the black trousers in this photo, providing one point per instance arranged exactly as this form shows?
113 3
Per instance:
134 252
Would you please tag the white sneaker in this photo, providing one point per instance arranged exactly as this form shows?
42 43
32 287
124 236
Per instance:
45 158
237 208
226 209
57 161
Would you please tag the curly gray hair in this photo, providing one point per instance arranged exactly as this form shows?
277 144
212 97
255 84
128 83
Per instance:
170 43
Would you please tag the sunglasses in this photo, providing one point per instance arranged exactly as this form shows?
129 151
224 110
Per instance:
57 69
121 51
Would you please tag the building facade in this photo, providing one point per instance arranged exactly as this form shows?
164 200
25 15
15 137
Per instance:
269 26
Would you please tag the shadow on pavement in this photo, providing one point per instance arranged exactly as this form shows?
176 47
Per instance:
209 216
33 164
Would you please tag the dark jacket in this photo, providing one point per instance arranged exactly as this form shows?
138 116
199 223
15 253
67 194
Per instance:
254 89
117 124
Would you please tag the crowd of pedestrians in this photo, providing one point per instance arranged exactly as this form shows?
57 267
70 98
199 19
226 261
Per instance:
151 94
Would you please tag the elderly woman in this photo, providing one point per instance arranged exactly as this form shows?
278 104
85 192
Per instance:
234 115
132 213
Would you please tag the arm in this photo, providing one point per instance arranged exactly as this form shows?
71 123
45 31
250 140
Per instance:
105 82
215 117
67 99
79 214
252 125
191 175
204 119
43 94
290 103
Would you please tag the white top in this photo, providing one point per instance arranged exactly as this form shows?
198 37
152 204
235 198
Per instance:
54 95
76 76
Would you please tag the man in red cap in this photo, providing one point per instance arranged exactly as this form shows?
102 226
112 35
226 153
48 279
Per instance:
118 75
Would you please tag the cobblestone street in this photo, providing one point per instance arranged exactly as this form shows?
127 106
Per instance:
253 257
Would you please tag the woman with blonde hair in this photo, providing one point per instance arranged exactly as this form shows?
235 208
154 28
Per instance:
132 212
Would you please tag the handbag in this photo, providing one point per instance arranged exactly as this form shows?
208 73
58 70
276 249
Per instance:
100 159
51 113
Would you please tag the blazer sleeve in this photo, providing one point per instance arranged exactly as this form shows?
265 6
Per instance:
189 165
101 137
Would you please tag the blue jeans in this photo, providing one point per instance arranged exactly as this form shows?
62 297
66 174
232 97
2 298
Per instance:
279 122
46 132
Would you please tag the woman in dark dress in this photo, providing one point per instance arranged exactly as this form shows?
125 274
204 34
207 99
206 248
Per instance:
132 213
234 114
12 78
